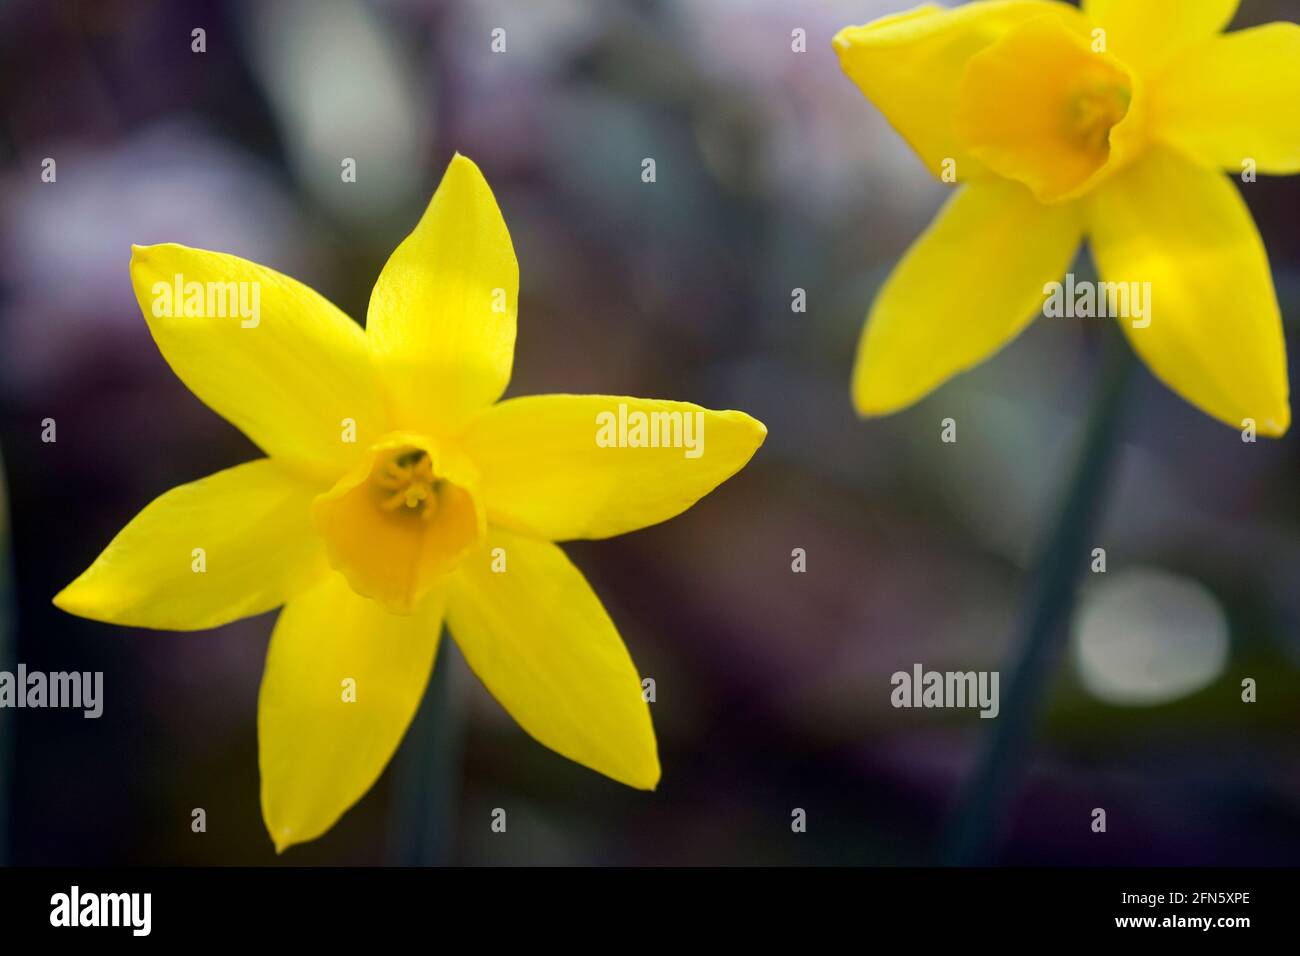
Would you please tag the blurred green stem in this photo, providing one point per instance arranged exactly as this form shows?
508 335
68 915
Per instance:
973 829
427 775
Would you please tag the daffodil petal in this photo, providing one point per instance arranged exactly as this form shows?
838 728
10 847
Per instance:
910 65
1233 100
593 466
295 377
968 286
343 681
1215 332
442 315
537 636
1146 34
231 545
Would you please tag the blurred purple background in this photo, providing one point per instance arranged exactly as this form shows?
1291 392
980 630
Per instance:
772 687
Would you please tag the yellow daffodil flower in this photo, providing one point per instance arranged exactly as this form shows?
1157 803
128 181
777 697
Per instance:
398 494
1114 122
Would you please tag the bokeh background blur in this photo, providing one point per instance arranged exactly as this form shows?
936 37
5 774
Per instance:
773 174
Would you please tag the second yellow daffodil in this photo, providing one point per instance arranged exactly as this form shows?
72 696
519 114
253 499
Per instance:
1113 123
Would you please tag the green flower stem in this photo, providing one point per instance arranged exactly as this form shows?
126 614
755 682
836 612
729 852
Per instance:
973 830
427 775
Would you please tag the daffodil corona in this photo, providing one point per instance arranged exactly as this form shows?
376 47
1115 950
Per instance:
399 494
1113 122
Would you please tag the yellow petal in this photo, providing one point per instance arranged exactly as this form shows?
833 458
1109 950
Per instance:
968 286
910 66
289 374
343 680
252 524
442 315
399 520
1215 332
564 466
1070 124
1234 98
539 639
1146 34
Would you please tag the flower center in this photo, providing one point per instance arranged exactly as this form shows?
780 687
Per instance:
1041 106
406 481
1094 110
399 521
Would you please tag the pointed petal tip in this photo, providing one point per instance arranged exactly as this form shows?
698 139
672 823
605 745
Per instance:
647 779
143 251
649 772
757 427
1277 426
281 838
459 161
72 600
61 601
148 256
463 173
867 404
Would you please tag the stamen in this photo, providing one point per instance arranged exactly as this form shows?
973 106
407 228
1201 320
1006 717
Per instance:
410 479
1095 109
